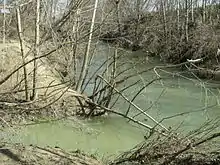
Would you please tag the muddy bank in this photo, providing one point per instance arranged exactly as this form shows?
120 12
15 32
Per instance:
15 154
52 94
55 99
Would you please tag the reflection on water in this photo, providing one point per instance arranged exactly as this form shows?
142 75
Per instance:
107 136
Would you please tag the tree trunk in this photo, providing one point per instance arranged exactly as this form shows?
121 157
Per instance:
178 15
203 11
72 59
138 5
55 3
4 21
20 35
186 21
87 51
36 49
118 16
50 10
192 11
164 18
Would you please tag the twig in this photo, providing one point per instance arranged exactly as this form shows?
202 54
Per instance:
122 90
134 105
152 103
213 136
130 118
149 83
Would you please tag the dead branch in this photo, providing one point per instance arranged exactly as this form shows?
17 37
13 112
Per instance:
130 118
134 105
191 145
149 83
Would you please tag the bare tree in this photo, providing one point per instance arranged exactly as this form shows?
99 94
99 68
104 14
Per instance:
87 51
36 49
178 14
4 20
186 21
20 35
192 10
75 35
163 8
203 10
117 2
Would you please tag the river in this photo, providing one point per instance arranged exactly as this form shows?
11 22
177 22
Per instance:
108 136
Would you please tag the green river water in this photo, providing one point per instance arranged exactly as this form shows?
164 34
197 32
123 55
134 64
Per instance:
108 136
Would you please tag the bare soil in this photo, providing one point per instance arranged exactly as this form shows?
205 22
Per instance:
54 99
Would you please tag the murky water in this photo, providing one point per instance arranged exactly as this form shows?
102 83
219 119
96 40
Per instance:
111 135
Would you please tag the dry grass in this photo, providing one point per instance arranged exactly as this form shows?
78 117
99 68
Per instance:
11 59
55 98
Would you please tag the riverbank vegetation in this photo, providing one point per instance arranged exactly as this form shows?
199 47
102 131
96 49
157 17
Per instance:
49 48
174 31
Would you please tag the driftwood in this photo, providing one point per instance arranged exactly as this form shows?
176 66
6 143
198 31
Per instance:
207 73
172 151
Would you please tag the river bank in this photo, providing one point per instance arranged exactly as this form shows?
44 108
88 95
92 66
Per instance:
55 101
174 40
93 136
66 98
15 154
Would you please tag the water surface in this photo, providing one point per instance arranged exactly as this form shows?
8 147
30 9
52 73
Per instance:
111 135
